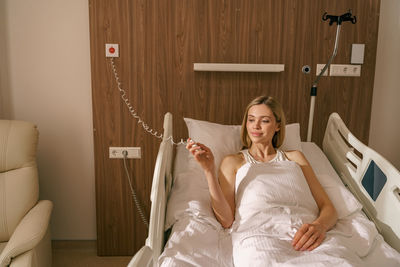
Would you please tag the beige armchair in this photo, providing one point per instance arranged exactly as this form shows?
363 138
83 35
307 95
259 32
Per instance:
24 220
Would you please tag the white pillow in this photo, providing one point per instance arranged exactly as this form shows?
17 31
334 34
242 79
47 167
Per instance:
225 139
221 139
292 139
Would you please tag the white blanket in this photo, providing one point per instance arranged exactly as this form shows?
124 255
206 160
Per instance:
196 242
272 195
273 201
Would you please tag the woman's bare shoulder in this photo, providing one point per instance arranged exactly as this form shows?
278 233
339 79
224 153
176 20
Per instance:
297 156
232 162
233 158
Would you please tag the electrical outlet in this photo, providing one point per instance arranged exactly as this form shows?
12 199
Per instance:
117 152
112 50
319 69
345 70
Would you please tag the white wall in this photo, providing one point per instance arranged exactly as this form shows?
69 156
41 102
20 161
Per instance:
47 67
385 121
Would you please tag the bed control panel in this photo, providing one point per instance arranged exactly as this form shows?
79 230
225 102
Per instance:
374 180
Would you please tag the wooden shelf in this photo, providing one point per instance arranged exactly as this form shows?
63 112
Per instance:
238 67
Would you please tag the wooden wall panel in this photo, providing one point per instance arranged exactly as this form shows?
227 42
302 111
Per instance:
160 41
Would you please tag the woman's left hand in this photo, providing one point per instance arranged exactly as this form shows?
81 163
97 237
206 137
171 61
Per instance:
309 236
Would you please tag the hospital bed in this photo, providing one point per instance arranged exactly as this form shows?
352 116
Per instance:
363 186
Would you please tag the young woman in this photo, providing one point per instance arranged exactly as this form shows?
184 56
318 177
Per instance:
263 131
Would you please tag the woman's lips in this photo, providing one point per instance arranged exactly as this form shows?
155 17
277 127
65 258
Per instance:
256 134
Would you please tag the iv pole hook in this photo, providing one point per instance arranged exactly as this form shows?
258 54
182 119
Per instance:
313 93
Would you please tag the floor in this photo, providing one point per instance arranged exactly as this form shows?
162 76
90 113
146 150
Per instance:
83 254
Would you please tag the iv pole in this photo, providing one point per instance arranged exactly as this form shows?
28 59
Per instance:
313 93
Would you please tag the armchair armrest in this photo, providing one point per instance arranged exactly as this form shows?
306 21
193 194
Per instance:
143 257
29 232
24 259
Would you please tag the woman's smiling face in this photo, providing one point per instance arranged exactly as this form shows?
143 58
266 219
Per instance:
261 124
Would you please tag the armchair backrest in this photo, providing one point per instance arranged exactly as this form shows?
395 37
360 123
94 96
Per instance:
19 183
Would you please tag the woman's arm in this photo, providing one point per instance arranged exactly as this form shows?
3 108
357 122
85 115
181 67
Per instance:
311 235
222 191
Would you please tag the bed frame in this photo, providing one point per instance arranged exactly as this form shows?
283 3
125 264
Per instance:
354 161
351 159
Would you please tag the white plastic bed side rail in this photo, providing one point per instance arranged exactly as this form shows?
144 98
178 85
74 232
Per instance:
339 145
143 258
163 166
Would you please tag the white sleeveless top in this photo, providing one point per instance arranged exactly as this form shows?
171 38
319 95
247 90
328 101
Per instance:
280 156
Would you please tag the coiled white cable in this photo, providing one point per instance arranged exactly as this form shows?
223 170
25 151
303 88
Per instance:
133 112
147 128
138 205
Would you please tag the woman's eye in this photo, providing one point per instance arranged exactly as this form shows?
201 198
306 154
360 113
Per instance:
265 121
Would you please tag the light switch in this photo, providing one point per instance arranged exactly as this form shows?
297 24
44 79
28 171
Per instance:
357 53
319 69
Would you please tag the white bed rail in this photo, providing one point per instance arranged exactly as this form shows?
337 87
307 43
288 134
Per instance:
162 179
351 159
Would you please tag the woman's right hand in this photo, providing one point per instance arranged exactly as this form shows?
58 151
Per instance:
202 155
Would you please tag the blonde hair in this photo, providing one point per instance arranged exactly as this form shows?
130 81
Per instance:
279 115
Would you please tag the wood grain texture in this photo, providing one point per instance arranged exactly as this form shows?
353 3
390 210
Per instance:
160 41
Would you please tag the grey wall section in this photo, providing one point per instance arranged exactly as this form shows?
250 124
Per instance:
385 126
47 68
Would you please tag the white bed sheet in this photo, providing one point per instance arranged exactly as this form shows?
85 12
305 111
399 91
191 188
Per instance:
195 242
197 239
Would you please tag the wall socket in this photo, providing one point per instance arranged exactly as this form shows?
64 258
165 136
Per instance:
133 152
340 70
345 70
